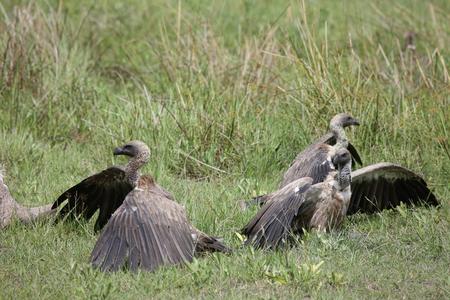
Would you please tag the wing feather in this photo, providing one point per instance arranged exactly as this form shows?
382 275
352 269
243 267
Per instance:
104 191
147 231
312 162
386 185
356 196
271 225
392 198
365 201
355 155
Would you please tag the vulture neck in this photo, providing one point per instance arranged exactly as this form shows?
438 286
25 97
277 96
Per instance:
341 138
132 168
344 177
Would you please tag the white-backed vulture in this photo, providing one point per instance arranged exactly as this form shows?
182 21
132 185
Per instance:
311 161
145 227
308 163
303 205
376 187
106 190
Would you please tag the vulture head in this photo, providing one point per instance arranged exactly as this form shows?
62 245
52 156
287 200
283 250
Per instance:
134 149
341 158
343 120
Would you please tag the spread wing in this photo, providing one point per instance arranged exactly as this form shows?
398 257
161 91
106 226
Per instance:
329 139
270 227
385 185
313 162
146 232
104 191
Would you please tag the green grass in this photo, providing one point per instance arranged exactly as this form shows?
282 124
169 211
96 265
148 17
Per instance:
225 94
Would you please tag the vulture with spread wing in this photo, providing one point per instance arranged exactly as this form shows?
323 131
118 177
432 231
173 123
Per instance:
145 227
312 162
374 188
303 205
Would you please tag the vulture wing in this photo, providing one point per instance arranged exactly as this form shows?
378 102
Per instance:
356 159
385 185
273 222
312 162
105 191
146 232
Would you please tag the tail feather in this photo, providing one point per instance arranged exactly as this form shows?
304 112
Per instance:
256 201
206 243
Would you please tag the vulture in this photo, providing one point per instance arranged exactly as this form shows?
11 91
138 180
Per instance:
144 228
374 188
9 208
308 163
303 205
311 162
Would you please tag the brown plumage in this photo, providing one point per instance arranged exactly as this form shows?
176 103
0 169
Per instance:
312 162
302 205
145 227
147 231
309 162
375 187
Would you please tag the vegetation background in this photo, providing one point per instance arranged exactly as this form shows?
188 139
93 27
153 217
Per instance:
226 93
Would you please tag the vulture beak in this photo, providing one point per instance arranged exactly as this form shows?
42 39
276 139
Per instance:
118 151
123 151
355 122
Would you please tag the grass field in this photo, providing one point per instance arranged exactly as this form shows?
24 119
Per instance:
225 93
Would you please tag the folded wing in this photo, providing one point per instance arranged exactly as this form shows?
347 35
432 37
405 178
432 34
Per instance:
312 162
